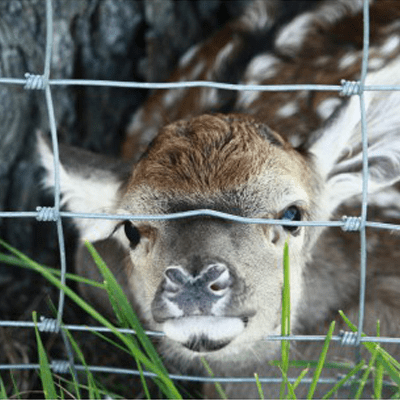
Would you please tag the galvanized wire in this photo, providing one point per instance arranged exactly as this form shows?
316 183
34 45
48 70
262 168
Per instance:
364 202
346 87
44 82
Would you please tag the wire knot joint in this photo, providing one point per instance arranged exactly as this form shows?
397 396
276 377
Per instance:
60 366
48 325
349 88
47 214
348 338
35 82
351 224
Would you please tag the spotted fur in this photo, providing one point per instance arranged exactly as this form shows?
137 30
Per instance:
319 46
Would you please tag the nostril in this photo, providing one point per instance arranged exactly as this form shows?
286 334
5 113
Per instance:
176 275
221 279
175 278
215 287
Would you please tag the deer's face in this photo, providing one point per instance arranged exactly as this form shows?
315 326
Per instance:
209 283
214 286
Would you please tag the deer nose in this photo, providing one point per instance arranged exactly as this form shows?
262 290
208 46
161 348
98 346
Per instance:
185 294
214 280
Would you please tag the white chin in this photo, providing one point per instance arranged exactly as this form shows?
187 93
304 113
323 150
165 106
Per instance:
216 329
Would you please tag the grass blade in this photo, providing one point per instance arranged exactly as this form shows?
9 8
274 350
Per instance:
391 365
16 393
285 322
46 375
300 377
366 374
321 361
259 387
287 384
11 260
338 385
378 372
123 308
94 393
3 392
128 318
218 386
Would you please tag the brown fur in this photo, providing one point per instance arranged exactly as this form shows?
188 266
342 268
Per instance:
209 153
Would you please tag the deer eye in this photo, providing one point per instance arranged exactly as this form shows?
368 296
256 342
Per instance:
292 213
132 233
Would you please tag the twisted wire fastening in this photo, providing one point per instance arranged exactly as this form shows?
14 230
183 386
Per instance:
48 325
348 338
34 82
350 87
47 214
60 366
351 224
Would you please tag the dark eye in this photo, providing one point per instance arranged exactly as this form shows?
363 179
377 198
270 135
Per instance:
132 233
292 213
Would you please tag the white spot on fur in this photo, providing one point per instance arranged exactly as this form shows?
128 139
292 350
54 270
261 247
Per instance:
256 16
188 56
136 124
303 94
332 11
290 39
295 140
375 63
214 328
348 60
223 55
209 97
288 110
390 45
138 127
247 97
327 107
261 67
322 61
195 72
173 96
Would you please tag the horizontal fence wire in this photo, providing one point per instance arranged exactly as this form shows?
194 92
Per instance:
346 223
43 82
86 328
346 88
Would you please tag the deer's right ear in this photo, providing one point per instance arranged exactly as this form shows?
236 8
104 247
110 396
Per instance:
89 183
338 148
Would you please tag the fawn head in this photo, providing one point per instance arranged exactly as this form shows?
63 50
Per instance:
214 285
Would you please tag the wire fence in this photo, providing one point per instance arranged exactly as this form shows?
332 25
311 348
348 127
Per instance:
43 82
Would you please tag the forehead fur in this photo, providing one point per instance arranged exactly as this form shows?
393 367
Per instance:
208 153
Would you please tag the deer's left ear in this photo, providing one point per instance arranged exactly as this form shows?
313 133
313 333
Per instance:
89 183
338 147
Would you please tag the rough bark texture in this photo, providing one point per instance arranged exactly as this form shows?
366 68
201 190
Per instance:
94 39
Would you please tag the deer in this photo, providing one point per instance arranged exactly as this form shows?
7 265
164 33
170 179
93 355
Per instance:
212 285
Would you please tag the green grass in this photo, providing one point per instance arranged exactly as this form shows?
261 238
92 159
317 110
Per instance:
380 366
125 315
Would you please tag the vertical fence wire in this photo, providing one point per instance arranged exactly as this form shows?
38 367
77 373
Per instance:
364 204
